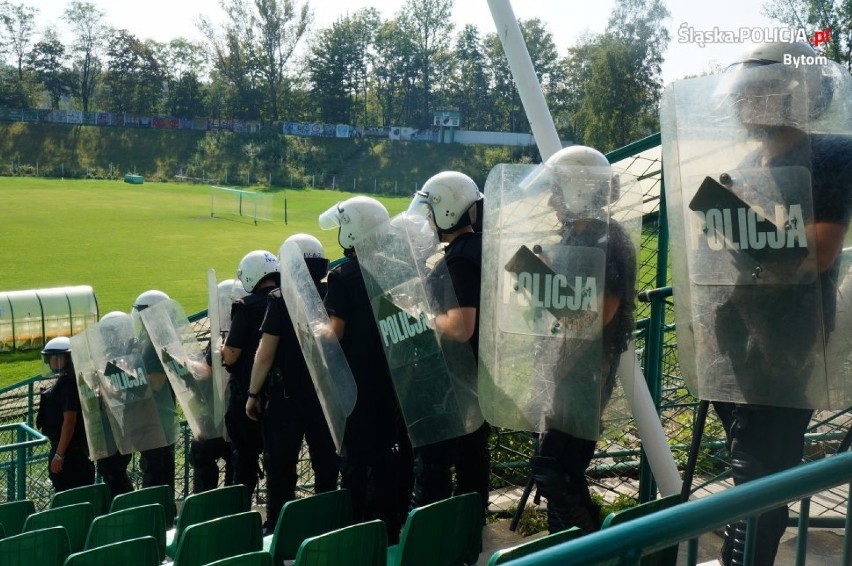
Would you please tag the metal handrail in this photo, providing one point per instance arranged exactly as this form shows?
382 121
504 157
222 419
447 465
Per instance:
627 543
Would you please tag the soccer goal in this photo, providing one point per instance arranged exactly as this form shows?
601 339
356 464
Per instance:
225 201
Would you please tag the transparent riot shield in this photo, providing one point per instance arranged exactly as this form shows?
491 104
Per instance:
217 329
332 378
99 434
750 182
182 358
140 408
408 284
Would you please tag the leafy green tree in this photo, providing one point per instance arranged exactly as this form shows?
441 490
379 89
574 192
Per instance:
184 90
816 15
46 61
134 78
428 24
86 22
393 65
468 81
333 67
281 24
613 80
17 21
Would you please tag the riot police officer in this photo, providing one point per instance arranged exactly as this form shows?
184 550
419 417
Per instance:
376 462
450 200
157 464
768 305
580 185
292 411
258 272
60 418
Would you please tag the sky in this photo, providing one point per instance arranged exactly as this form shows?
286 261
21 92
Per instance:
162 20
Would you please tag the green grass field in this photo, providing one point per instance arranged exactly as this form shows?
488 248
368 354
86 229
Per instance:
124 239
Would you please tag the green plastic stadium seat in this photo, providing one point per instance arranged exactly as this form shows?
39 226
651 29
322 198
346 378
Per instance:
257 558
162 494
308 517
13 514
140 551
45 547
506 555
364 544
75 518
213 540
97 494
664 557
205 506
135 522
447 532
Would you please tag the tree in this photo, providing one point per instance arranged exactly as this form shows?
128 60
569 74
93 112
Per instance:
46 61
468 81
18 24
184 91
85 20
280 28
613 80
429 25
816 15
394 73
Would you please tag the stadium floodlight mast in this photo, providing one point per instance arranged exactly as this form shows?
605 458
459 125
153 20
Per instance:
225 201
651 433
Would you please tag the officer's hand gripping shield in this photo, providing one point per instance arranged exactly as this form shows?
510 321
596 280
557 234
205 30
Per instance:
183 360
332 378
408 284
141 418
757 294
99 434
542 360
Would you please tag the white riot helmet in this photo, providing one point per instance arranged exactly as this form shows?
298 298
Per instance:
114 315
353 218
142 302
314 254
149 299
56 354
448 197
767 89
229 291
578 178
255 266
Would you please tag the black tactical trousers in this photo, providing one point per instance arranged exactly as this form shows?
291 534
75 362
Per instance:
113 471
286 422
204 457
559 471
433 465
761 440
246 443
158 466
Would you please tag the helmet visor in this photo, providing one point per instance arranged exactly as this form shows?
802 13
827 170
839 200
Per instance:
420 206
330 219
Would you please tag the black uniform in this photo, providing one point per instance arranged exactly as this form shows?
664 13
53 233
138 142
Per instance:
376 462
204 455
63 397
762 339
293 413
158 464
469 453
246 437
113 472
562 459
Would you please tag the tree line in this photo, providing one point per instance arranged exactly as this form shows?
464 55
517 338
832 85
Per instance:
266 62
